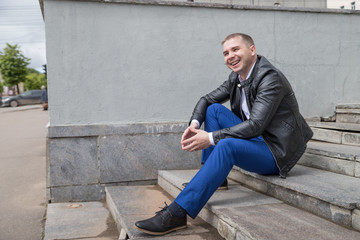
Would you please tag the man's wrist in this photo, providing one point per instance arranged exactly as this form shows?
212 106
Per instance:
196 122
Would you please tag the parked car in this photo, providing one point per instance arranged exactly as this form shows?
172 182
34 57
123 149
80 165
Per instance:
25 98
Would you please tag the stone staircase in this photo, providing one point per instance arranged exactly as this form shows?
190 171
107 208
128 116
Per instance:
320 198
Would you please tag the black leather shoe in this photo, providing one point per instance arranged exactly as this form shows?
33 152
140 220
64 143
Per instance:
162 223
223 186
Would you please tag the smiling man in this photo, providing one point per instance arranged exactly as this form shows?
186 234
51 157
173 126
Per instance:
263 133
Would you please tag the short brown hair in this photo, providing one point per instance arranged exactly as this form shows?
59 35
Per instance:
244 36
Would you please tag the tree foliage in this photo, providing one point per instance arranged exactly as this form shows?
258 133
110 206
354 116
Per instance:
34 80
13 65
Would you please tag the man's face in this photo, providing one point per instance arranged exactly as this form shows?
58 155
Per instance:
238 56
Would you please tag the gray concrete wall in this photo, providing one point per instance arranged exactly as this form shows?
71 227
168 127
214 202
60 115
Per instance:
115 63
123 79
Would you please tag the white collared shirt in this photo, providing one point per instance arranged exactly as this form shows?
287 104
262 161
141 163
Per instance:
244 105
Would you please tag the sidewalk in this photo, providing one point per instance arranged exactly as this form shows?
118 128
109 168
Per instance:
81 221
20 108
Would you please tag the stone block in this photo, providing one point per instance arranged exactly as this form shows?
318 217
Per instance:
83 220
348 118
328 163
138 157
77 193
73 161
356 219
226 231
357 169
326 135
351 139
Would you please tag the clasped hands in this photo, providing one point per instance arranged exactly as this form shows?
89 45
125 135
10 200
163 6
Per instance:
194 139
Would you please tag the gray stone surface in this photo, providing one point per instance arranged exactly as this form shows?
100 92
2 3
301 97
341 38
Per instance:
81 220
348 117
351 139
138 157
116 129
356 219
336 126
328 163
339 151
327 194
326 135
73 161
283 222
243 214
93 192
129 204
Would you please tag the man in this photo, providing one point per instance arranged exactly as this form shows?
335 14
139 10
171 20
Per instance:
263 133
44 98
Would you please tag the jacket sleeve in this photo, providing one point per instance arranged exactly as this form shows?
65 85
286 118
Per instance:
219 95
269 94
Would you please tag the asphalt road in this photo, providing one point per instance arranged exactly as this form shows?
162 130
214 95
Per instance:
22 172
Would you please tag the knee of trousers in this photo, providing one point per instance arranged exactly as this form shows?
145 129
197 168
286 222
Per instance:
212 109
226 150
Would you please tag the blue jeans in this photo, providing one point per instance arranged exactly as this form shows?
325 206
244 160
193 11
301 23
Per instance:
250 154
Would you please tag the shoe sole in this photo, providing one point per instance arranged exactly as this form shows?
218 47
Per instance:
160 233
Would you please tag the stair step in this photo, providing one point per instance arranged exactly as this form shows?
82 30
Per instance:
348 113
336 158
349 127
129 204
333 196
241 213
334 136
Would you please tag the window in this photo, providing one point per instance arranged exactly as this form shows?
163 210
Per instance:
353 6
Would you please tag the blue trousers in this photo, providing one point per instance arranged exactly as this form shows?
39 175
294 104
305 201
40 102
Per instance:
250 154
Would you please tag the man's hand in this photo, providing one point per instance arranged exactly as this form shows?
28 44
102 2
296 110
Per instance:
195 139
188 133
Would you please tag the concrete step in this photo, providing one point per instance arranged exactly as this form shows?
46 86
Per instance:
241 213
348 113
333 196
332 157
335 136
129 204
348 127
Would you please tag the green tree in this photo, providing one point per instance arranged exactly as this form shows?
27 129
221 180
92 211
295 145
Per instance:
34 80
13 65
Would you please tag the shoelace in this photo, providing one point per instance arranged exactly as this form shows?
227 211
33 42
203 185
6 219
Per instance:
162 209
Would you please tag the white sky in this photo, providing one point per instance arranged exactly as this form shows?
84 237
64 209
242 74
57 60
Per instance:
21 23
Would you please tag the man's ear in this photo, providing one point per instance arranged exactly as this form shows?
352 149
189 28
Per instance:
253 50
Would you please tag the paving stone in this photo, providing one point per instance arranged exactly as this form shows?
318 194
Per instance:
81 220
129 204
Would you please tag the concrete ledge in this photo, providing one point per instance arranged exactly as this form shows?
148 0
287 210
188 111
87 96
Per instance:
219 5
116 129
82 159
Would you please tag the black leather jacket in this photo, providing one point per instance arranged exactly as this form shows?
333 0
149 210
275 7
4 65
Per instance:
274 113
